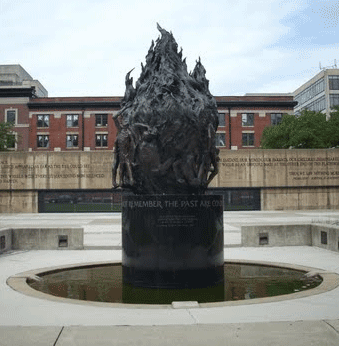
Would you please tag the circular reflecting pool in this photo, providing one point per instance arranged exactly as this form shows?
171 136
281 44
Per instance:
103 283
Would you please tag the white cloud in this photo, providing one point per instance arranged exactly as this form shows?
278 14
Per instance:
85 48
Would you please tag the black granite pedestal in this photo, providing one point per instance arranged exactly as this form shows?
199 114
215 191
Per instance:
172 241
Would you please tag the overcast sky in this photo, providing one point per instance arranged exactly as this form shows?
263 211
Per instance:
85 48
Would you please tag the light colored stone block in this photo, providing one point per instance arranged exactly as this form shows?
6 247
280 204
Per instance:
185 305
47 239
277 235
6 240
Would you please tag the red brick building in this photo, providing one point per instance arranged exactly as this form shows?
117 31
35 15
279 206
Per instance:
14 109
44 123
242 119
86 123
72 123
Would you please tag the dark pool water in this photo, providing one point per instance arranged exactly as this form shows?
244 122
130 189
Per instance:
103 283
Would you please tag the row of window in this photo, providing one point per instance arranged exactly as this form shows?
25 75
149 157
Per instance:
314 90
320 104
72 141
72 120
247 139
310 92
101 140
317 106
247 119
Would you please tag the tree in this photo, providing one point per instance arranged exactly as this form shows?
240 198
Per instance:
278 136
309 130
333 131
7 138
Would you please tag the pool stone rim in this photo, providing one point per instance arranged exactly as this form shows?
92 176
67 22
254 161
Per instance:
18 282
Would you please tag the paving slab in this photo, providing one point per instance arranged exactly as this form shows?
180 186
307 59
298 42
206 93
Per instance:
29 336
263 334
334 324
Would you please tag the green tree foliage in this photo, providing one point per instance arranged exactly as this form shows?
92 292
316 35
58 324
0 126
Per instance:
333 131
307 131
7 139
278 136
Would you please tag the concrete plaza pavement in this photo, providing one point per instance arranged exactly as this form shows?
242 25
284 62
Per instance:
27 320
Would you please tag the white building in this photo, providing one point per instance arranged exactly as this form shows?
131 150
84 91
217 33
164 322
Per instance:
16 77
320 93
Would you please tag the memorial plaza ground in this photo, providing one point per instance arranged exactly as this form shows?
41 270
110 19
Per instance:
27 320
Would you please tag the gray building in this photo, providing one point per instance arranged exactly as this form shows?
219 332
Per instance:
320 93
16 77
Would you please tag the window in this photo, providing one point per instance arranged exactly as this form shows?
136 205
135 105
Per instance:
2 242
11 141
248 139
101 140
276 118
72 120
323 237
100 120
11 116
71 141
43 141
220 139
334 82
334 100
43 120
221 117
247 119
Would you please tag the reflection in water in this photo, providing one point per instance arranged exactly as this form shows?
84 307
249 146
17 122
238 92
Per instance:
103 283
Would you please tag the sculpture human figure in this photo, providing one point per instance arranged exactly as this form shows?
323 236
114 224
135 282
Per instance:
123 154
130 91
210 157
185 166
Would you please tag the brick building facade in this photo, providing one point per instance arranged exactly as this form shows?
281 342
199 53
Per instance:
72 123
14 109
242 119
86 123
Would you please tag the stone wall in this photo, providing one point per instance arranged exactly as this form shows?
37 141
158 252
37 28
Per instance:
287 179
16 201
55 170
301 198
279 168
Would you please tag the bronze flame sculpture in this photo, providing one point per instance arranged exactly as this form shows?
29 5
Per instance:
166 126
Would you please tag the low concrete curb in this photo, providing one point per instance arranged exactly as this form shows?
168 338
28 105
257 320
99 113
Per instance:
319 235
42 239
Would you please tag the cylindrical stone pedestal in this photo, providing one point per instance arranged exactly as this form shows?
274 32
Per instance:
172 241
